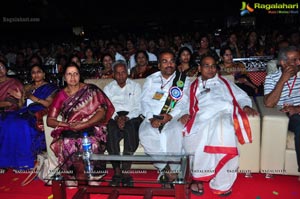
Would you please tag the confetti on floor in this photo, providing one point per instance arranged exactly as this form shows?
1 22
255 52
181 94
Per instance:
275 193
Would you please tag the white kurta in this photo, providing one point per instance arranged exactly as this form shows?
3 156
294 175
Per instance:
169 140
212 139
127 98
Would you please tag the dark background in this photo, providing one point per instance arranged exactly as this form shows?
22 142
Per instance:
109 17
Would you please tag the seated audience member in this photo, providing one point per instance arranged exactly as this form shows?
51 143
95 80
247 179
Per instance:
8 86
125 96
35 59
161 133
75 59
89 56
106 61
205 49
233 44
282 88
238 70
142 69
142 44
84 108
212 103
21 131
185 63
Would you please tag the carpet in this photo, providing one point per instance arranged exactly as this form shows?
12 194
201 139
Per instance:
256 187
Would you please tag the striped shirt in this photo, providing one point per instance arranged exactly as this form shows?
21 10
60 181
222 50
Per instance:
291 91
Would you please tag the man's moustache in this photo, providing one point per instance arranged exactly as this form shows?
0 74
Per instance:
169 67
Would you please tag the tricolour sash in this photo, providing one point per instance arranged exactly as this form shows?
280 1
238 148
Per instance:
175 93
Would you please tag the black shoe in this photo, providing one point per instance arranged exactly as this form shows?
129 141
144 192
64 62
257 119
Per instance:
116 181
127 181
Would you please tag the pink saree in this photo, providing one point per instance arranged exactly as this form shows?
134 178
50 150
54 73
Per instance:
79 107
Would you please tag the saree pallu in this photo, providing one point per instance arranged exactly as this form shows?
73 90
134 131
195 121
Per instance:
20 140
79 107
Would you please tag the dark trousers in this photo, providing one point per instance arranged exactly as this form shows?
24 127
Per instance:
130 134
294 125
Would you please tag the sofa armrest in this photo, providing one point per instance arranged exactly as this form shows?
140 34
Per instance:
249 160
274 134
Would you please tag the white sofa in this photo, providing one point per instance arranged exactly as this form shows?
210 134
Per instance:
249 153
278 155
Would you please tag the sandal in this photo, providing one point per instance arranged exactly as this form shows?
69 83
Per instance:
165 181
226 193
115 181
199 188
127 181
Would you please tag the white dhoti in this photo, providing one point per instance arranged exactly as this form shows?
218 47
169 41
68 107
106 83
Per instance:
211 134
166 142
213 147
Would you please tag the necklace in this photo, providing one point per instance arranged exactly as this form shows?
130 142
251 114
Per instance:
162 82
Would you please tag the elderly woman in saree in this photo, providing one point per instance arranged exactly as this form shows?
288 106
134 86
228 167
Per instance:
21 135
83 107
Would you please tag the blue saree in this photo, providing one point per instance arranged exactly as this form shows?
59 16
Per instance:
20 139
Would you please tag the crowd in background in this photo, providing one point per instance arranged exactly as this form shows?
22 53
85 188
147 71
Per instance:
102 52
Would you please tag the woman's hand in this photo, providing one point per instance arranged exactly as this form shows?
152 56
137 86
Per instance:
15 93
78 126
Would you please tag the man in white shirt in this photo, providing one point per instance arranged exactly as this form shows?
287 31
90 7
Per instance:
125 96
113 51
160 132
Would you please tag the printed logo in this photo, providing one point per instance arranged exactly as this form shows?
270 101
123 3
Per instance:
246 9
270 8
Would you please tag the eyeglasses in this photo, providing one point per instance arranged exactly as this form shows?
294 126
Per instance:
211 66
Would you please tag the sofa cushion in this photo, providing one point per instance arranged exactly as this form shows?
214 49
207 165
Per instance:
101 83
290 140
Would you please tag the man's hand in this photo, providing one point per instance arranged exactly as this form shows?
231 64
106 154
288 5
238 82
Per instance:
121 120
288 72
155 123
184 119
291 110
250 111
